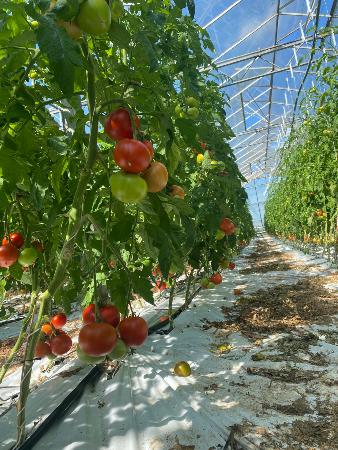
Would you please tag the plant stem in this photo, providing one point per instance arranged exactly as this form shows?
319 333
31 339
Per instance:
170 308
187 290
74 224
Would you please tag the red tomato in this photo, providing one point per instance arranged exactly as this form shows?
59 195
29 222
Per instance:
97 339
216 278
15 239
156 177
133 331
42 349
118 125
150 147
9 255
161 286
61 344
47 329
59 320
131 155
203 145
231 265
227 226
88 314
110 314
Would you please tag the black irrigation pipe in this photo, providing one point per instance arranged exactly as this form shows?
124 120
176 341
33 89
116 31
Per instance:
13 319
91 377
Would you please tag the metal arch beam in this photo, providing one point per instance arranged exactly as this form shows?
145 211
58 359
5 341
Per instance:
251 101
263 75
264 51
261 25
229 8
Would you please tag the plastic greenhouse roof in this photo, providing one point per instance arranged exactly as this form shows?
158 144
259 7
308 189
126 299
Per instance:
263 48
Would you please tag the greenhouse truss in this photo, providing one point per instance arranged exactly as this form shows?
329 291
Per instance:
169 224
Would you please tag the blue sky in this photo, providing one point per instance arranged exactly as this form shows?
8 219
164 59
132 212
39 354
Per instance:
244 17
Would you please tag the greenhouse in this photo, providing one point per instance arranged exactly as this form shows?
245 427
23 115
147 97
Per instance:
169 204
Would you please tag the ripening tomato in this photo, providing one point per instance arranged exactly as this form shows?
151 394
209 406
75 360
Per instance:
204 282
118 125
150 147
9 255
61 344
28 256
128 188
42 349
182 369
216 278
97 339
59 320
131 155
231 265
15 239
47 329
227 226
156 177
110 314
88 314
177 191
133 331
94 17
87 358
73 31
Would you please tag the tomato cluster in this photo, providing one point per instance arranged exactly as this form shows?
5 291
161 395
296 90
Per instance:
10 254
139 174
53 340
105 335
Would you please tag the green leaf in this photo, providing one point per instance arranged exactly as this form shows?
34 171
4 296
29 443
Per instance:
16 271
164 259
181 3
58 169
146 49
118 287
122 231
142 286
62 52
187 129
119 35
174 157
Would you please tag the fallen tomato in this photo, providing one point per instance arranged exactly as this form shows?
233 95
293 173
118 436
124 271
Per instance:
182 369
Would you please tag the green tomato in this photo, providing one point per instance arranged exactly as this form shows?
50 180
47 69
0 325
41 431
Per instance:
204 282
33 74
117 10
128 188
83 357
192 101
34 24
94 17
219 235
119 351
28 256
211 285
178 110
193 113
